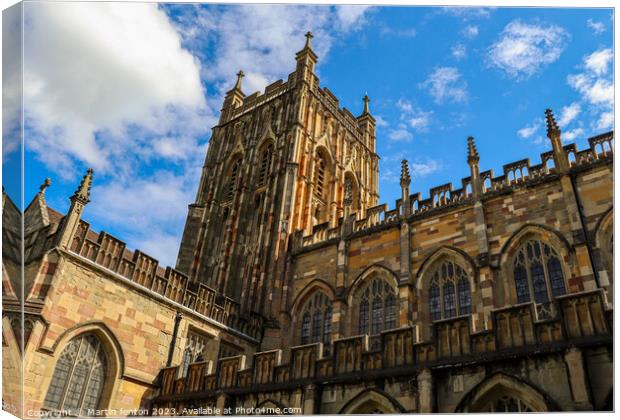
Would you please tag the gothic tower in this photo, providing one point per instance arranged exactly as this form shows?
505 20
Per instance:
277 162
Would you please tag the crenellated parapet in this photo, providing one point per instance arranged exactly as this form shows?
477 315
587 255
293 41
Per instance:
579 319
109 253
517 174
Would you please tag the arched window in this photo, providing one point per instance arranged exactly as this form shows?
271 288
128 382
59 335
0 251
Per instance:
537 273
320 180
266 157
377 310
316 323
233 179
507 404
79 376
449 294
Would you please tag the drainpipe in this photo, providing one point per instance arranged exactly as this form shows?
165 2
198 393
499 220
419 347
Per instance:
175 332
583 228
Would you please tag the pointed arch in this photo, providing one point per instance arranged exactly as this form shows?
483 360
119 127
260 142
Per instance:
312 314
110 361
604 252
446 286
442 253
303 295
504 391
531 229
536 262
372 401
373 299
264 161
349 177
374 270
232 177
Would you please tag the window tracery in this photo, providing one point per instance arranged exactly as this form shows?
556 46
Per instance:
449 292
377 308
233 179
316 324
537 273
266 158
79 377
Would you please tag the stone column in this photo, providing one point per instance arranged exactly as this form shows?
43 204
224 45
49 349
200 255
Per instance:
577 378
220 404
309 400
425 391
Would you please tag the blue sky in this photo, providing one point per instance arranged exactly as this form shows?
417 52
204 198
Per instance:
133 89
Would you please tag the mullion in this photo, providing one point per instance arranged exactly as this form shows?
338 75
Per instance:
87 380
63 396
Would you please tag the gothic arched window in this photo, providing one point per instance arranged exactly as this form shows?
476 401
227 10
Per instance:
79 377
316 323
233 179
537 273
266 157
320 180
449 294
377 309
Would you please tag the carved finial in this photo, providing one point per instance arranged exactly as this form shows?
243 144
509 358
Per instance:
472 152
83 191
405 178
44 186
309 36
239 77
366 102
552 125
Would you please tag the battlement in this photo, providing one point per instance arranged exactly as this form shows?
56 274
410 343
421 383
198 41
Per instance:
576 318
515 174
106 251
280 87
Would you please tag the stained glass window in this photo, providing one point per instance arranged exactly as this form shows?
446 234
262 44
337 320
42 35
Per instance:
377 308
79 377
538 272
316 323
449 294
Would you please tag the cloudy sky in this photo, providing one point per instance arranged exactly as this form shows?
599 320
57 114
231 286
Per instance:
132 90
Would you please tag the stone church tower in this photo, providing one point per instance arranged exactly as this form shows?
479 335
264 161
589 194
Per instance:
285 160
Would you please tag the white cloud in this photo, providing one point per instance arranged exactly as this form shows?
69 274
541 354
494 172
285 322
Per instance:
418 168
568 114
468 13
528 131
595 85
156 203
522 49
459 51
597 27
351 16
114 86
11 81
470 31
400 33
380 121
424 168
605 121
261 39
573 134
445 84
598 62
413 116
93 72
400 134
